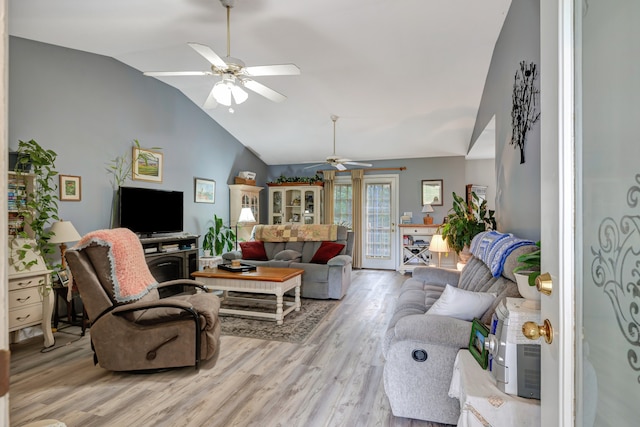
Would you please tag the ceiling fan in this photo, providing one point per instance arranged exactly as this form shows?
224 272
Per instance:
234 74
335 160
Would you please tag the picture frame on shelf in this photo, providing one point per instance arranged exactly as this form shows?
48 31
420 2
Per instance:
147 165
431 192
204 190
479 334
63 278
70 188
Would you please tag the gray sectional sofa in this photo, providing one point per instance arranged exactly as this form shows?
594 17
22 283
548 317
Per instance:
295 245
420 348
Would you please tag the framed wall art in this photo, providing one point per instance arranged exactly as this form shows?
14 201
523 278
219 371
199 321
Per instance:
147 165
70 188
431 192
204 190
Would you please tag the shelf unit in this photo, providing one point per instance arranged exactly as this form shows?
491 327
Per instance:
414 245
244 196
295 204
31 297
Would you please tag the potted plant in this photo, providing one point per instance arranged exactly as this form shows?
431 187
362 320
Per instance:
464 221
218 239
527 272
41 207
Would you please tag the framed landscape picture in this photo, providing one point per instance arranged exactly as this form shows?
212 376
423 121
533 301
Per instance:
204 190
147 165
431 192
70 188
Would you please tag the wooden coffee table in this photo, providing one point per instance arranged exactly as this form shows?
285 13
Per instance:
263 280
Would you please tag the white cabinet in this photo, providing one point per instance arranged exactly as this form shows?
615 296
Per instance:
244 196
295 204
30 294
414 245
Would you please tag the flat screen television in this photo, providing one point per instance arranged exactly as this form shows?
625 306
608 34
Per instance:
146 211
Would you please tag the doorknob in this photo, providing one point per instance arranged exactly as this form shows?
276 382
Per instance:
533 331
544 283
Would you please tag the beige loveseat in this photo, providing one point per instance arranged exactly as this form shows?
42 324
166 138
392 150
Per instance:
295 246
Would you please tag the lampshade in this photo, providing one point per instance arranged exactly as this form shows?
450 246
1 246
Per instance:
225 89
427 208
63 232
246 216
438 244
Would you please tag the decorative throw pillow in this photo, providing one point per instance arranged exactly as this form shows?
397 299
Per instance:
253 251
461 304
326 251
287 255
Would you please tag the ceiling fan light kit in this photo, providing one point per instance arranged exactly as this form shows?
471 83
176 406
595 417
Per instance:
234 74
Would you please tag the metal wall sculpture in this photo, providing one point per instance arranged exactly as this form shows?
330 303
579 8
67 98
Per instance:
525 100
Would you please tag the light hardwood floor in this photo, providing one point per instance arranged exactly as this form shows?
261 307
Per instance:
334 379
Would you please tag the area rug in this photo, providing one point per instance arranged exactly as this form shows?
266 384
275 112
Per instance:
296 328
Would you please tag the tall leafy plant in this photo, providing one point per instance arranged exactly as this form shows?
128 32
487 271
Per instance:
465 220
219 238
41 206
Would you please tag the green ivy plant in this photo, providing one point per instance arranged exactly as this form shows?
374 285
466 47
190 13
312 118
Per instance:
120 168
41 206
219 238
298 179
465 220
530 262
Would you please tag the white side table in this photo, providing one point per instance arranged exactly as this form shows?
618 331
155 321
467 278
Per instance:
482 403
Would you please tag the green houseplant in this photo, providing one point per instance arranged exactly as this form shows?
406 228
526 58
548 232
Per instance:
465 220
219 238
530 265
41 207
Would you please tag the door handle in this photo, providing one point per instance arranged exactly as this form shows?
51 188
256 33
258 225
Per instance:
533 331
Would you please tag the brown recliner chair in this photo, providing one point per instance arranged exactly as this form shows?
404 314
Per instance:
132 328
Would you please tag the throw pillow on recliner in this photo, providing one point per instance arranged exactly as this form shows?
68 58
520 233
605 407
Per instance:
326 251
253 251
462 304
288 255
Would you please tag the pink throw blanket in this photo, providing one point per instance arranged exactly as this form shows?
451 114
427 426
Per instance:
129 271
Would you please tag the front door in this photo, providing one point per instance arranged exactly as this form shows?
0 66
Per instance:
591 211
380 207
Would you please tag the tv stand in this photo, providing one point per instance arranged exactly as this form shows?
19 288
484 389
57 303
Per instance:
171 257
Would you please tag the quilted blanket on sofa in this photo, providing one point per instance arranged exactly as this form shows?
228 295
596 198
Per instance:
296 233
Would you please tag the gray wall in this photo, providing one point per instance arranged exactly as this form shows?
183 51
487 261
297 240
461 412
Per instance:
89 108
450 169
518 185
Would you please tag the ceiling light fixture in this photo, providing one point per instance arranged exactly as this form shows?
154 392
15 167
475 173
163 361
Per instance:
227 92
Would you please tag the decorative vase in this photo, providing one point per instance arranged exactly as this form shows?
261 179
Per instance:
464 255
530 293
206 253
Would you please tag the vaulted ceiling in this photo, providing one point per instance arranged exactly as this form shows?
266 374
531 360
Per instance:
404 76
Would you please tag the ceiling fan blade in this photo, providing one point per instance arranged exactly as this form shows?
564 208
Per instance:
358 164
340 167
210 102
314 166
261 89
176 73
272 70
209 55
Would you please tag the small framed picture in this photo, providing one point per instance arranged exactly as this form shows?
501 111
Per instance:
70 188
479 334
204 190
147 165
431 192
63 277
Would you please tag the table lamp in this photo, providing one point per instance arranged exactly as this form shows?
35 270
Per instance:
438 245
63 232
428 219
246 216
